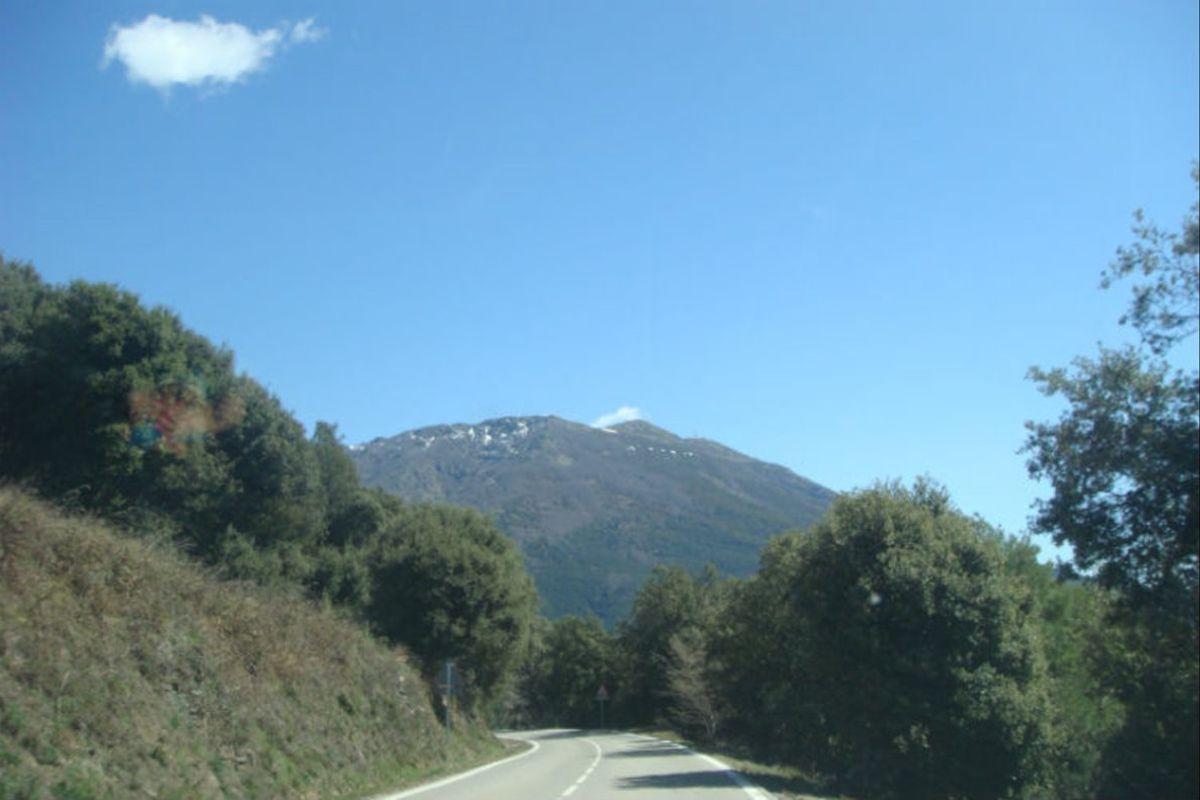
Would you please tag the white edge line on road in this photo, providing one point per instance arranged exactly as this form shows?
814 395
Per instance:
735 776
738 778
460 776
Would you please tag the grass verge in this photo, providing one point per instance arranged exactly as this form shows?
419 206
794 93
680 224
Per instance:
127 671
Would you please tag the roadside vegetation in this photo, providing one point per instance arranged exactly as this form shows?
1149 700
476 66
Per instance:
129 663
127 671
119 411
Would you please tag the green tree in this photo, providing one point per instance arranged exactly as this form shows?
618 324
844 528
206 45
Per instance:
575 660
1070 616
696 704
275 471
448 585
120 410
756 656
912 667
1123 463
110 405
1164 308
353 514
669 602
1124 459
21 292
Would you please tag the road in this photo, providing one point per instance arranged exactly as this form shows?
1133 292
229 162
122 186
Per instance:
593 765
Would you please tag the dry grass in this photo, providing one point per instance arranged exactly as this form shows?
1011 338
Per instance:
125 671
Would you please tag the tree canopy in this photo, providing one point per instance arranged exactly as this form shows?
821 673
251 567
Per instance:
449 585
120 410
1123 460
670 602
909 662
573 659
1123 463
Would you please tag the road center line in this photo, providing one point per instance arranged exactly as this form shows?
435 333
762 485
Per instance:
587 772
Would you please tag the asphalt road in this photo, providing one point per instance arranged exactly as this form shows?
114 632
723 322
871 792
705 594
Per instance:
599 765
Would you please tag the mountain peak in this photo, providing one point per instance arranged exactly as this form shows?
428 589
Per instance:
643 428
595 509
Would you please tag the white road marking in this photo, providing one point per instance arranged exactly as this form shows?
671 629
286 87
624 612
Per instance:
735 776
455 778
587 772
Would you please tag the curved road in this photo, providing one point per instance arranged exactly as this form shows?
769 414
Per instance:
601 765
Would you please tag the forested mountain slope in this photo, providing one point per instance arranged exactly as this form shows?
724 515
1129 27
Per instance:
594 509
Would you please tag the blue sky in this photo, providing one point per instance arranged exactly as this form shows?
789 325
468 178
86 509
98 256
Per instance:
832 235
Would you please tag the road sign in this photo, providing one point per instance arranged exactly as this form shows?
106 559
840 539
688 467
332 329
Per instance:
601 697
448 677
447 687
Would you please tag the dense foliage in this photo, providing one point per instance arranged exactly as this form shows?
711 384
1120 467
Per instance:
909 659
1124 463
899 648
450 586
571 661
672 609
119 410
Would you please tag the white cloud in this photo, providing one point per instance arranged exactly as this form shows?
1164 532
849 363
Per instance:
622 414
306 31
164 52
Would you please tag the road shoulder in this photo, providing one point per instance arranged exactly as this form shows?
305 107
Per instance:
528 747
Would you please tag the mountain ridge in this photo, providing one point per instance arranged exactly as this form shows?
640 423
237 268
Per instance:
595 509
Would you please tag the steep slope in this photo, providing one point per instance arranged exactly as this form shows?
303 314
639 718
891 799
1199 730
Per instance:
126 671
595 509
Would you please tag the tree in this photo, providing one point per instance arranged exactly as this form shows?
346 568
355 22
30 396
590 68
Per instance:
574 662
111 405
448 585
696 708
353 514
912 667
1124 459
1164 310
669 602
21 292
121 410
1123 462
754 653
1070 616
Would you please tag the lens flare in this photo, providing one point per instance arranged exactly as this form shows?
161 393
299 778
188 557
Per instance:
175 415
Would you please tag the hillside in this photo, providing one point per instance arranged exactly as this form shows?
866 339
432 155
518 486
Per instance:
126 671
593 510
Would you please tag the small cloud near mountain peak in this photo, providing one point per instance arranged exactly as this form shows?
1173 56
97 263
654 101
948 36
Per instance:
622 414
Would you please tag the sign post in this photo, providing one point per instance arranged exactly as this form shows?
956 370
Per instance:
602 698
447 688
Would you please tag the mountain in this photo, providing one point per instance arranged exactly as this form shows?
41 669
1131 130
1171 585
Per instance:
595 509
